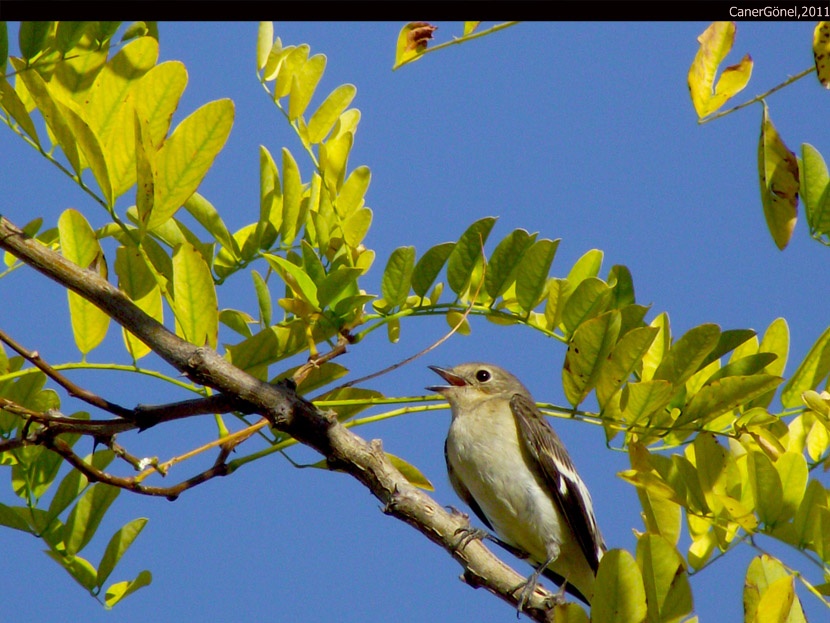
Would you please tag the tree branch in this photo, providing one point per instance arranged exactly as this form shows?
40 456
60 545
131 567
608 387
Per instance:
289 413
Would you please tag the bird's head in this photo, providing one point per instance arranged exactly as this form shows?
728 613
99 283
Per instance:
470 383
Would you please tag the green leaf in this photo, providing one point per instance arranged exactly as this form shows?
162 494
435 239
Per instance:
237 320
92 151
766 487
11 103
587 353
626 355
352 193
792 470
318 377
397 276
32 38
208 217
79 568
185 158
728 341
296 278
80 246
267 346
559 291
646 397
11 517
86 515
51 111
688 353
264 41
504 262
533 273
622 284
263 296
466 253
810 372
303 85
744 366
723 395
324 118
157 98
429 266
338 283
356 226
619 594
70 488
586 266
410 472
4 46
197 311
270 200
120 590
117 547
292 196
350 395
815 190
588 300
667 589
778 174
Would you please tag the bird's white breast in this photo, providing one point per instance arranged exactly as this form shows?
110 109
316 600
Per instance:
483 451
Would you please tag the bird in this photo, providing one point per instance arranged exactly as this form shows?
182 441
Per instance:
509 466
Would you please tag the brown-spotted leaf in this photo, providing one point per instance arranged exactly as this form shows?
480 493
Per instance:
715 43
778 174
821 52
412 42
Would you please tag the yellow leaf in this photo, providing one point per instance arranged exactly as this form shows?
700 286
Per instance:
456 319
619 594
52 115
109 108
821 52
715 43
265 40
197 313
80 246
157 98
778 174
410 472
412 42
187 155
137 281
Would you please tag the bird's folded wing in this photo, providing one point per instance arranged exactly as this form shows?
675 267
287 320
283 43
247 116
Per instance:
559 474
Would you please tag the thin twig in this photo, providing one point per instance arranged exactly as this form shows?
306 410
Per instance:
33 357
757 98
432 346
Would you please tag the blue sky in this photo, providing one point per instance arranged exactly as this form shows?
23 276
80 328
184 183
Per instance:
580 131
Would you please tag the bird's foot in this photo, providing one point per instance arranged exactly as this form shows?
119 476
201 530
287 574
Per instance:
467 534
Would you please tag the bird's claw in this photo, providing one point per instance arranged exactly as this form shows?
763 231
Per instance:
468 533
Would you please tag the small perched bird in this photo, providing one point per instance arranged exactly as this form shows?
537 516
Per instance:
510 467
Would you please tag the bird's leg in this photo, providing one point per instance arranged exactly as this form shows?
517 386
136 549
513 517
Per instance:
533 580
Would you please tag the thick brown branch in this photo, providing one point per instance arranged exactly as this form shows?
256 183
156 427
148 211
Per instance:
288 413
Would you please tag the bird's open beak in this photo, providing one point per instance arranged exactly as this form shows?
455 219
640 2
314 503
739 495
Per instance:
450 377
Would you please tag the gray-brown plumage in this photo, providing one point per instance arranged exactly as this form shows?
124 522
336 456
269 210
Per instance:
510 467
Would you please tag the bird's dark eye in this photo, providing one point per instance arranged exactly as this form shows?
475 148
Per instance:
482 376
